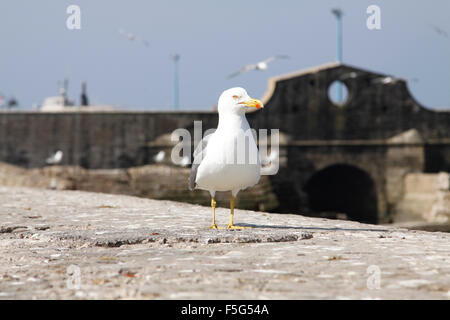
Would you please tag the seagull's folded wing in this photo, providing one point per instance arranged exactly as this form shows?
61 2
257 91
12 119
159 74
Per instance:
199 155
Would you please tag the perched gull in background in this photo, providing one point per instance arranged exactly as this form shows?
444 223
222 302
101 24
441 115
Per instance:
56 158
133 37
159 157
52 160
391 80
220 164
262 65
185 161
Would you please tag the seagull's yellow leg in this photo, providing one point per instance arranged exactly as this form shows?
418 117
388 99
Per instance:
213 206
231 224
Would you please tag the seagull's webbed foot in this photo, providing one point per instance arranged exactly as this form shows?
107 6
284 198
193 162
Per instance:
214 226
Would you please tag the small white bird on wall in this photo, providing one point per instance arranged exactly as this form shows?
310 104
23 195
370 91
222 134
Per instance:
228 159
262 65
56 158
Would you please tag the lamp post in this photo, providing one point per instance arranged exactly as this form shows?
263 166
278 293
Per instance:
175 58
338 13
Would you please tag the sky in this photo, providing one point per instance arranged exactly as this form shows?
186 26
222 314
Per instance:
214 38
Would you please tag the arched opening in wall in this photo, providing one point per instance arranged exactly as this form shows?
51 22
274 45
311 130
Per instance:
338 93
343 189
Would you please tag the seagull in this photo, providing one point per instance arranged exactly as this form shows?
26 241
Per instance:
56 158
217 166
385 80
262 65
440 31
350 75
159 157
185 161
391 80
132 37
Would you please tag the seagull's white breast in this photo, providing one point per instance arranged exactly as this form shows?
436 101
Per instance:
230 165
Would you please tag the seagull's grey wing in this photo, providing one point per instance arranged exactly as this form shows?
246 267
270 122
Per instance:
242 70
199 154
278 56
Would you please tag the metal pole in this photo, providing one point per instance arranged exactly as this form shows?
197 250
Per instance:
339 39
338 13
339 48
176 58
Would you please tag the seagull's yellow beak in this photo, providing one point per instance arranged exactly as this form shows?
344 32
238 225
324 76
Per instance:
253 103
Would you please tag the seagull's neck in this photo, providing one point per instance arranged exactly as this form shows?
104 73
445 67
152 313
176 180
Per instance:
230 121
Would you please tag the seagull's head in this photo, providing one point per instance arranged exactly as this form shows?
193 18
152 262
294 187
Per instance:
237 101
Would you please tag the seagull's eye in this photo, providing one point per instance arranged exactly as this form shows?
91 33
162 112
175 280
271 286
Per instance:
235 97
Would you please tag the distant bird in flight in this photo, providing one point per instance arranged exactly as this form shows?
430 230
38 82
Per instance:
439 31
133 37
262 65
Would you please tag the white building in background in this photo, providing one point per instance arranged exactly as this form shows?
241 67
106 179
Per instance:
62 103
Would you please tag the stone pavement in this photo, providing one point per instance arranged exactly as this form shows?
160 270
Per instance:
80 245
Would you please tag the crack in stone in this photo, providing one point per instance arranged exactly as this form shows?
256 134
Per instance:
120 238
11 229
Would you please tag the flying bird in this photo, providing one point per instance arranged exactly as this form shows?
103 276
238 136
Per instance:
262 65
228 159
133 37
440 31
55 158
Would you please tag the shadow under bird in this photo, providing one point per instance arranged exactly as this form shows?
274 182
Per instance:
215 167
262 65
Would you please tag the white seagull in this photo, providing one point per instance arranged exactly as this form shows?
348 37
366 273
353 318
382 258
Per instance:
262 65
159 157
228 159
132 37
185 161
56 158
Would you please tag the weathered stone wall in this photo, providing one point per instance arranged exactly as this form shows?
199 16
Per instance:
150 181
91 140
426 197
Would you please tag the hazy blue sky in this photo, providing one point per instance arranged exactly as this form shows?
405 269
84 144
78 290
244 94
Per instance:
214 39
